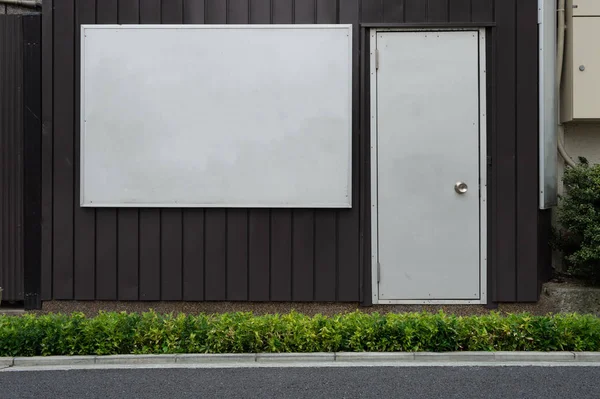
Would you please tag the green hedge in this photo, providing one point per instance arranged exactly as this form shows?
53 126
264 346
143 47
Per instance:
152 333
578 216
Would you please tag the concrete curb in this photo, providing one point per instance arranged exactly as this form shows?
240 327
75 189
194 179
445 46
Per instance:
209 358
136 359
527 356
297 358
587 356
53 361
374 356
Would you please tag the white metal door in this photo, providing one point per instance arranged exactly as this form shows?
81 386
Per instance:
428 130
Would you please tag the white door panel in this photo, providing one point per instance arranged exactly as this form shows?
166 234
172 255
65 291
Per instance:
428 137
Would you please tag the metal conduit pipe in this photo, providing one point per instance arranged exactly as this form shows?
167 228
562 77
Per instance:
560 52
23 3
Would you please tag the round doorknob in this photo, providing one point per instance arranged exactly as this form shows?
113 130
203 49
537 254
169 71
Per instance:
461 187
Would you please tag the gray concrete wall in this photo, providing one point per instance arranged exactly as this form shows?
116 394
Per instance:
580 140
583 140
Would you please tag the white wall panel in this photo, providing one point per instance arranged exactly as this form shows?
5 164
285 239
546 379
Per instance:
225 116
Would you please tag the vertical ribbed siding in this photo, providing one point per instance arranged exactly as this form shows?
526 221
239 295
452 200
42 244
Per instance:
47 148
173 254
11 158
277 254
32 159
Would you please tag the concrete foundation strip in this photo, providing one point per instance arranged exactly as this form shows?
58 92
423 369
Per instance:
289 359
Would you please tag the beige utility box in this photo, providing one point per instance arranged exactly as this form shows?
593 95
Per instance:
580 89
585 8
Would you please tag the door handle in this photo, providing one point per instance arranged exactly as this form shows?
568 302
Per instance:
461 187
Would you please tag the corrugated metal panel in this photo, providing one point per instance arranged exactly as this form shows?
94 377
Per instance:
191 254
526 153
519 246
32 159
11 154
278 255
47 147
504 167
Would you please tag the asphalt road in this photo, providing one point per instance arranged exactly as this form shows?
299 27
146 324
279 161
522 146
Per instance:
351 382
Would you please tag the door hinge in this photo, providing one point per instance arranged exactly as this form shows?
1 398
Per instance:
489 161
378 271
376 58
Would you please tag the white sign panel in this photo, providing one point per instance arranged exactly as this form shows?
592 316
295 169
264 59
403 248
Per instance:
216 116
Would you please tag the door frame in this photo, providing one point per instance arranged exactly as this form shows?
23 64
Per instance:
483 187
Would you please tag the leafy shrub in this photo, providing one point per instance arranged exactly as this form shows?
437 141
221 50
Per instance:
152 333
579 218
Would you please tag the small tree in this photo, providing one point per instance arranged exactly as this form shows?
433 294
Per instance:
578 236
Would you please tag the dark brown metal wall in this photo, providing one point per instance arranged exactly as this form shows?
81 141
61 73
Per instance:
173 254
32 158
518 253
277 255
11 156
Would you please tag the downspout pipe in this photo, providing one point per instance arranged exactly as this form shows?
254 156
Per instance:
560 53
23 3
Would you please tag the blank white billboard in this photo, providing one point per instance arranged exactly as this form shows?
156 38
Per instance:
216 116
